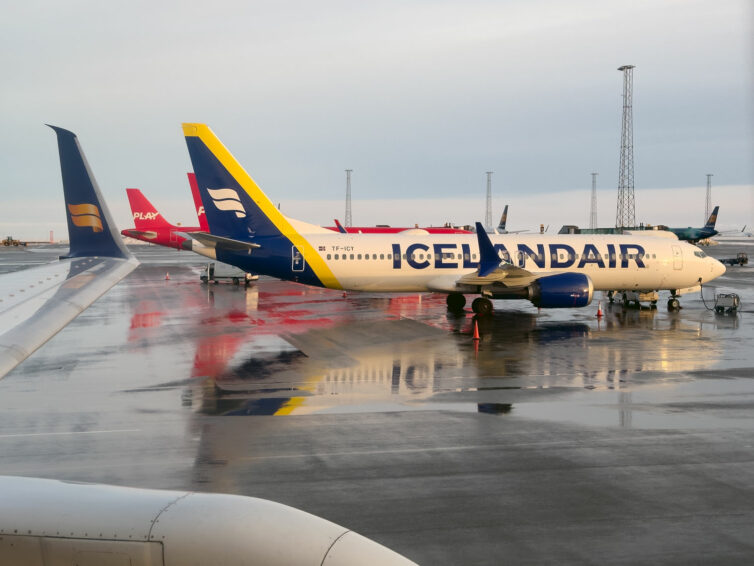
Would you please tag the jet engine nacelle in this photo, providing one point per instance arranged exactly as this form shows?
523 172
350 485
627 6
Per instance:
564 290
45 522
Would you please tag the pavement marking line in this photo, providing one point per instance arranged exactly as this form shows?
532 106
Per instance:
71 432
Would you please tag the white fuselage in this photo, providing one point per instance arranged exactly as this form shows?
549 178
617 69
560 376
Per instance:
419 262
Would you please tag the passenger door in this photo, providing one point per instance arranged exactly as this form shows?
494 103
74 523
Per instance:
677 258
298 263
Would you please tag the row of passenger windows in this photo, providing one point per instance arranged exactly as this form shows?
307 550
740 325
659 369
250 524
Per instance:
414 257
450 256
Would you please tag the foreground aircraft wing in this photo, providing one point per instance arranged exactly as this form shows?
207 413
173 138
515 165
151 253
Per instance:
38 302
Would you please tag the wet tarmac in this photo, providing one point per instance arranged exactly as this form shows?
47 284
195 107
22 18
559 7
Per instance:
559 437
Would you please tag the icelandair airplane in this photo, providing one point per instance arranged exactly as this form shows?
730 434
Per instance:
693 235
38 302
151 226
552 271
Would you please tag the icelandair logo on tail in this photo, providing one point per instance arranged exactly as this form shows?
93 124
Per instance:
86 215
227 199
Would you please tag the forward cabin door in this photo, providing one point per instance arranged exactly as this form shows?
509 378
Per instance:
677 258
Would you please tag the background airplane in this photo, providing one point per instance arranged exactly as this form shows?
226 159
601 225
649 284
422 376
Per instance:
394 230
151 226
501 225
552 271
40 301
693 235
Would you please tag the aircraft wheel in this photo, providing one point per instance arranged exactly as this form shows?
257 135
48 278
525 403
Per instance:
455 302
481 306
236 281
673 304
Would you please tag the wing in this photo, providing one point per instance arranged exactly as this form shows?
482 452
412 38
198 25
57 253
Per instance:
507 274
493 270
39 302
36 303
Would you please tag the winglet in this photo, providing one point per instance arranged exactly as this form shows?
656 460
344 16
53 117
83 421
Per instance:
489 261
340 228
91 230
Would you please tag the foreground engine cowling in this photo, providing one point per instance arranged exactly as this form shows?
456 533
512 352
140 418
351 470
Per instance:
44 522
564 290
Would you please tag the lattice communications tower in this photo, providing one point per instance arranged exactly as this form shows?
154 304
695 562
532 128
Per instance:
626 211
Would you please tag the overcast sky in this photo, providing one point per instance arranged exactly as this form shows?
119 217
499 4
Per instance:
419 98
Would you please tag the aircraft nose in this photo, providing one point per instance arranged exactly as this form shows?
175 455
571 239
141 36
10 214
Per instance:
717 268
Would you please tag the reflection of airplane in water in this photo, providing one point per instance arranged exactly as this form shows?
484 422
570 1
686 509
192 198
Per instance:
405 364
347 364
593 354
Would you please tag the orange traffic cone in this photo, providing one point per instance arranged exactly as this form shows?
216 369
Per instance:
599 309
344 294
167 276
476 330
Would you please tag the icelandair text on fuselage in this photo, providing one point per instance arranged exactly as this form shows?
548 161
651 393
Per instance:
561 256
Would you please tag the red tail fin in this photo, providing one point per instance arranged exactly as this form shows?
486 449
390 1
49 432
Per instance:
145 215
198 203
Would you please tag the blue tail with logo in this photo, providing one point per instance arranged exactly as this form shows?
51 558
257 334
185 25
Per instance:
91 230
712 218
241 216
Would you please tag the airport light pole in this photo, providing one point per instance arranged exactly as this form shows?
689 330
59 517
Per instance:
348 198
593 211
488 211
708 203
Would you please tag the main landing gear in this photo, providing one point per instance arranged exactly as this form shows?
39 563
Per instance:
481 305
674 304
455 302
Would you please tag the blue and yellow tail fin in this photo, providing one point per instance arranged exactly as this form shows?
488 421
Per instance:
237 209
91 229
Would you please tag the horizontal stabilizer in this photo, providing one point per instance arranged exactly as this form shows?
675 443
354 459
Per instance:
140 234
219 242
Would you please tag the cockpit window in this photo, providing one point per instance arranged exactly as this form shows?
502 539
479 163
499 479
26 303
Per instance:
700 253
